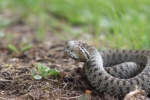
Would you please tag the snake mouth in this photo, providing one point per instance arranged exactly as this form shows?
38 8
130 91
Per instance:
70 54
74 57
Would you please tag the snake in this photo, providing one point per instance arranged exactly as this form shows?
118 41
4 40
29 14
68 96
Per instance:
104 69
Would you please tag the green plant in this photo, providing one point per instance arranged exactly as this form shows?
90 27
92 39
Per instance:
120 24
26 47
44 71
16 50
13 48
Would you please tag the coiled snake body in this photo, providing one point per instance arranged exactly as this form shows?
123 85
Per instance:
110 80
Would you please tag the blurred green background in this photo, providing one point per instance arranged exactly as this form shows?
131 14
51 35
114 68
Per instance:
119 24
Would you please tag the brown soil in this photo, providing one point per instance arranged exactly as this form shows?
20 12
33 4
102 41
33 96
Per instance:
17 82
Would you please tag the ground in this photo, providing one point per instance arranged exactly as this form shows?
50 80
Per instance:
17 81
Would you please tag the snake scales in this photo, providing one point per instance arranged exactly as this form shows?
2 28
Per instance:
104 79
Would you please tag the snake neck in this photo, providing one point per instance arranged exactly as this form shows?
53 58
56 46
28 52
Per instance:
95 61
84 53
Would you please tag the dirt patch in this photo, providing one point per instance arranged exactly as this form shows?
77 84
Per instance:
16 80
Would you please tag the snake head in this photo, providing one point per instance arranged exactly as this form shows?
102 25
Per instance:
76 50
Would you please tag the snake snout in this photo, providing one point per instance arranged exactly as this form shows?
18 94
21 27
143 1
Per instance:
69 50
75 50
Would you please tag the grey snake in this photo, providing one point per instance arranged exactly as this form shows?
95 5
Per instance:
115 72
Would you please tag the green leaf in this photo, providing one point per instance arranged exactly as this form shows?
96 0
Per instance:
13 48
37 77
53 72
44 71
40 67
25 48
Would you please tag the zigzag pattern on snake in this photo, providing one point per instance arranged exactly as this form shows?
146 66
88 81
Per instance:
129 68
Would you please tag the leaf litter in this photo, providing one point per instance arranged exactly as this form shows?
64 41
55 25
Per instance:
16 79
